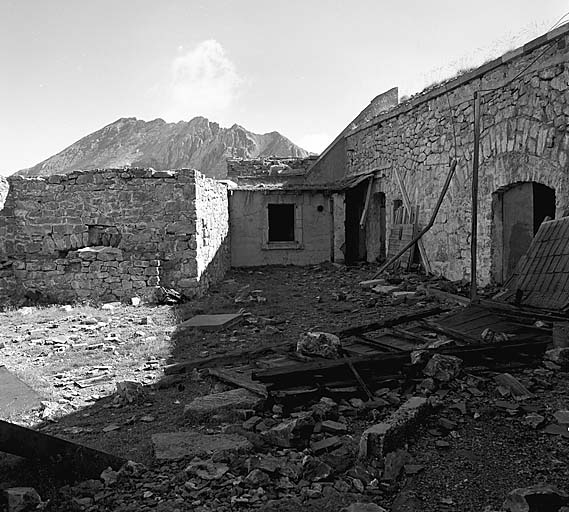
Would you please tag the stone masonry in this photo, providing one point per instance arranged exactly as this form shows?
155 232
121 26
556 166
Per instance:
524 138
112 234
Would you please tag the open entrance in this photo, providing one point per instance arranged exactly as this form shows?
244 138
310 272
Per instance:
518 211
355 235
367 242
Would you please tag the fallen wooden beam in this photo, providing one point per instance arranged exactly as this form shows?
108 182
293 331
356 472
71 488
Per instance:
230 357
451 297
359 378
373 367
390 322
239 380
72 458
454 334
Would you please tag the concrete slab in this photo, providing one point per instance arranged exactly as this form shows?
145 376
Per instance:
218 403
181 445
16 396
212 322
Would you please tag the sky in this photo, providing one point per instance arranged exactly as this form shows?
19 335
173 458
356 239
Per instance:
304 68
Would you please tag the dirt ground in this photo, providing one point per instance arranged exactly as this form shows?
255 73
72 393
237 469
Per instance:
489 451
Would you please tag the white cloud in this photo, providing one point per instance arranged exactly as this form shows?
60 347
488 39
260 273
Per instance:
315 142
203 81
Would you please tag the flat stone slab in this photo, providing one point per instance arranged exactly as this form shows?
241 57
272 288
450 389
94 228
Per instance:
212 322
15 395
181 445
217 403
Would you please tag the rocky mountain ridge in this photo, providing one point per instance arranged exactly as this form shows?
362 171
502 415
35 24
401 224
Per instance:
199 144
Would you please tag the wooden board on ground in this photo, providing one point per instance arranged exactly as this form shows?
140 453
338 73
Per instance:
212 322
240 377
70 458
15 396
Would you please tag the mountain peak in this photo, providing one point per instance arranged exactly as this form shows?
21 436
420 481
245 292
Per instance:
198 143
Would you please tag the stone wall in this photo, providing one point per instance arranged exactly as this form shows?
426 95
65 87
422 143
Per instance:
269 166
524 138
112 234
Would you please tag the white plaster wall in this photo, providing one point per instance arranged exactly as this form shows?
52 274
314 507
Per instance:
248 227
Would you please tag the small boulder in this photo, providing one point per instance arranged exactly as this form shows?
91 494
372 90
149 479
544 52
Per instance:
558 356
320 344
21 499
443 368
536 498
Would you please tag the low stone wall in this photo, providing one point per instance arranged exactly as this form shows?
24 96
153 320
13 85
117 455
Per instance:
270 166
112 234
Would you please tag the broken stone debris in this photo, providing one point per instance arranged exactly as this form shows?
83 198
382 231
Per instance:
537 498
443 368
222 403
22 499
320 344
380 439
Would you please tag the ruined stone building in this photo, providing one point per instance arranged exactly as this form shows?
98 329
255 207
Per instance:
118 233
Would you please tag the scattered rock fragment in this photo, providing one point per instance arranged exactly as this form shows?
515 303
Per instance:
223 402
394 463
384 437
534 420
536 498
22 499
443 368
290 433
320 344
326 444
558 356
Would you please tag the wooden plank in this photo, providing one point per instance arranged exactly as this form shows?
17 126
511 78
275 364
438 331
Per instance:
358 377
390 363
230 357
390 322
454 334
243 381
71 458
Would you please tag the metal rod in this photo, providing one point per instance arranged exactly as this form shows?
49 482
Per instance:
427 227
474 219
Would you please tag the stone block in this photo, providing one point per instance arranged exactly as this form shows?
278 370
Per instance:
216 403
382 438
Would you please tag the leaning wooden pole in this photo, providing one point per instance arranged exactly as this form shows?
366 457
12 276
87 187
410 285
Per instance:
474 219
426 228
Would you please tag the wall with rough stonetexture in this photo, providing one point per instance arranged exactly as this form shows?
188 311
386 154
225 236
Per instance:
524 138
111 234
212 231
249 228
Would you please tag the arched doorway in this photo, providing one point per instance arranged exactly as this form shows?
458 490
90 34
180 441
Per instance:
518 211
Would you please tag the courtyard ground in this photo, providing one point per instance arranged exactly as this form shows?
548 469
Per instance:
467 456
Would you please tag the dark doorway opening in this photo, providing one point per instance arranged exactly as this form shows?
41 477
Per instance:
518 210
355 235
